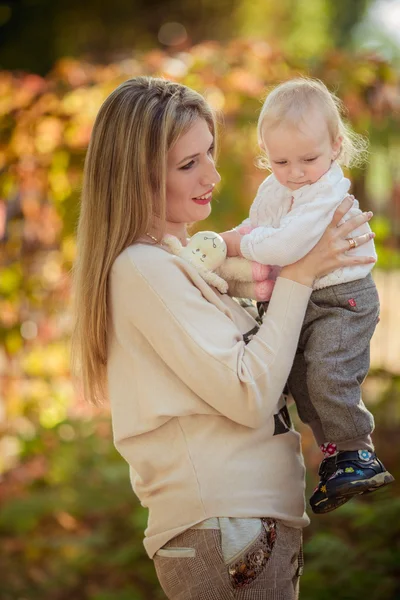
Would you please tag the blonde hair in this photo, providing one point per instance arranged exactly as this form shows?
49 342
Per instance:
289 102
124 188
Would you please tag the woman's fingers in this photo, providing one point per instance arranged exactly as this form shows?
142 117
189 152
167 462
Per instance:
341 210
333 249
351 260
359 240
348 258
354 223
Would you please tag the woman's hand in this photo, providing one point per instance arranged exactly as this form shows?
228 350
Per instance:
333 250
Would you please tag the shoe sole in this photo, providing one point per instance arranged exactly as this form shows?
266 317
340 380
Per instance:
352 488
321 508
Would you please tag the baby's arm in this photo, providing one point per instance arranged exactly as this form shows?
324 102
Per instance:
285 244
245 226
298 231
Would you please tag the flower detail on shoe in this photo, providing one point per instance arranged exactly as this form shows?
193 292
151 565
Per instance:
365 455
319 501
345 475
336 473
359 471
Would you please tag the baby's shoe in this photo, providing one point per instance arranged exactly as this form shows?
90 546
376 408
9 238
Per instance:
356 472
319 501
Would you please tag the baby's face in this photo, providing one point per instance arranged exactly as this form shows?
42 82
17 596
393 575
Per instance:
300 154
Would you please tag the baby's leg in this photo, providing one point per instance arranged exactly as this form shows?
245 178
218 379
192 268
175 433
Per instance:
338 328
332 363
299 389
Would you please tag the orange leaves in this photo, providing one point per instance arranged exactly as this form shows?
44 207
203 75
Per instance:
45 127
49 133
245 82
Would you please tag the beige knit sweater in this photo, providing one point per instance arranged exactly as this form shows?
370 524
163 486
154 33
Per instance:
193 406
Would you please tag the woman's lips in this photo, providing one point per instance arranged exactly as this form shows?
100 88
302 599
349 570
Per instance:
204 199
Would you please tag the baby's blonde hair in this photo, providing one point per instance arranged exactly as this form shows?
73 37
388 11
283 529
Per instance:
289 102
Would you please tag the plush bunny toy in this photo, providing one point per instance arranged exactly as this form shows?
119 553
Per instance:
206 251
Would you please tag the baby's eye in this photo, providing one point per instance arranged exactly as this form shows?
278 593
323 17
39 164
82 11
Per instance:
197 249
311 159
204 255
280 162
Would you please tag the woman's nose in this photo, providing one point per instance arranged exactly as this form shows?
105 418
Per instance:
211 175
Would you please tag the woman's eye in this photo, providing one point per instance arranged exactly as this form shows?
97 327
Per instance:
188 166
211 150
204 255
280 162
197 249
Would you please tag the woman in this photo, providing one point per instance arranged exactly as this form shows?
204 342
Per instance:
197 413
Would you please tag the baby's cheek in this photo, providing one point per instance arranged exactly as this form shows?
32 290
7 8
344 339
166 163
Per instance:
280 177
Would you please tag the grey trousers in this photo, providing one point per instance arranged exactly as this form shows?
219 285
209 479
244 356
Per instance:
191 566
332 361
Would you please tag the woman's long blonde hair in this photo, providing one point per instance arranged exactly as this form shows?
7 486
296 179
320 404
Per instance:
123 191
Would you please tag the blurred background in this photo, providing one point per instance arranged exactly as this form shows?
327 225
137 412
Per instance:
70 526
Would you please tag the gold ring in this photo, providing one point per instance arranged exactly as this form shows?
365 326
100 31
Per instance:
353 243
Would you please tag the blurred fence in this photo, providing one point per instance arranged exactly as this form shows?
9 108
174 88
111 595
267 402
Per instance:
385 346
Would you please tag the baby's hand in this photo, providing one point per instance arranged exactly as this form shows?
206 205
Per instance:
232 239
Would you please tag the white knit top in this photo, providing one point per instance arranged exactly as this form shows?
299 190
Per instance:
283 232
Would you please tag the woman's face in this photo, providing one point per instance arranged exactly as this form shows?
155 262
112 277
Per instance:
191 175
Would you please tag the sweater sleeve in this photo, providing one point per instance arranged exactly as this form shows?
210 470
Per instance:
245 223
200 343
297 233
299 230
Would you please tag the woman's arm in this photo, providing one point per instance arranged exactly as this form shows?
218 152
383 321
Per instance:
161 300
192 332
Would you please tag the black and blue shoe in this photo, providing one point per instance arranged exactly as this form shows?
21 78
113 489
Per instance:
357 472
320 502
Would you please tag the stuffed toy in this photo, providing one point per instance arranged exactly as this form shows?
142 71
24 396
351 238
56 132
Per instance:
206 251
247 278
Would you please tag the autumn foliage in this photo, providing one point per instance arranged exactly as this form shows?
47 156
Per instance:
69 524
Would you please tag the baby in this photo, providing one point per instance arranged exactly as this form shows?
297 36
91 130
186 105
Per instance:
301 131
